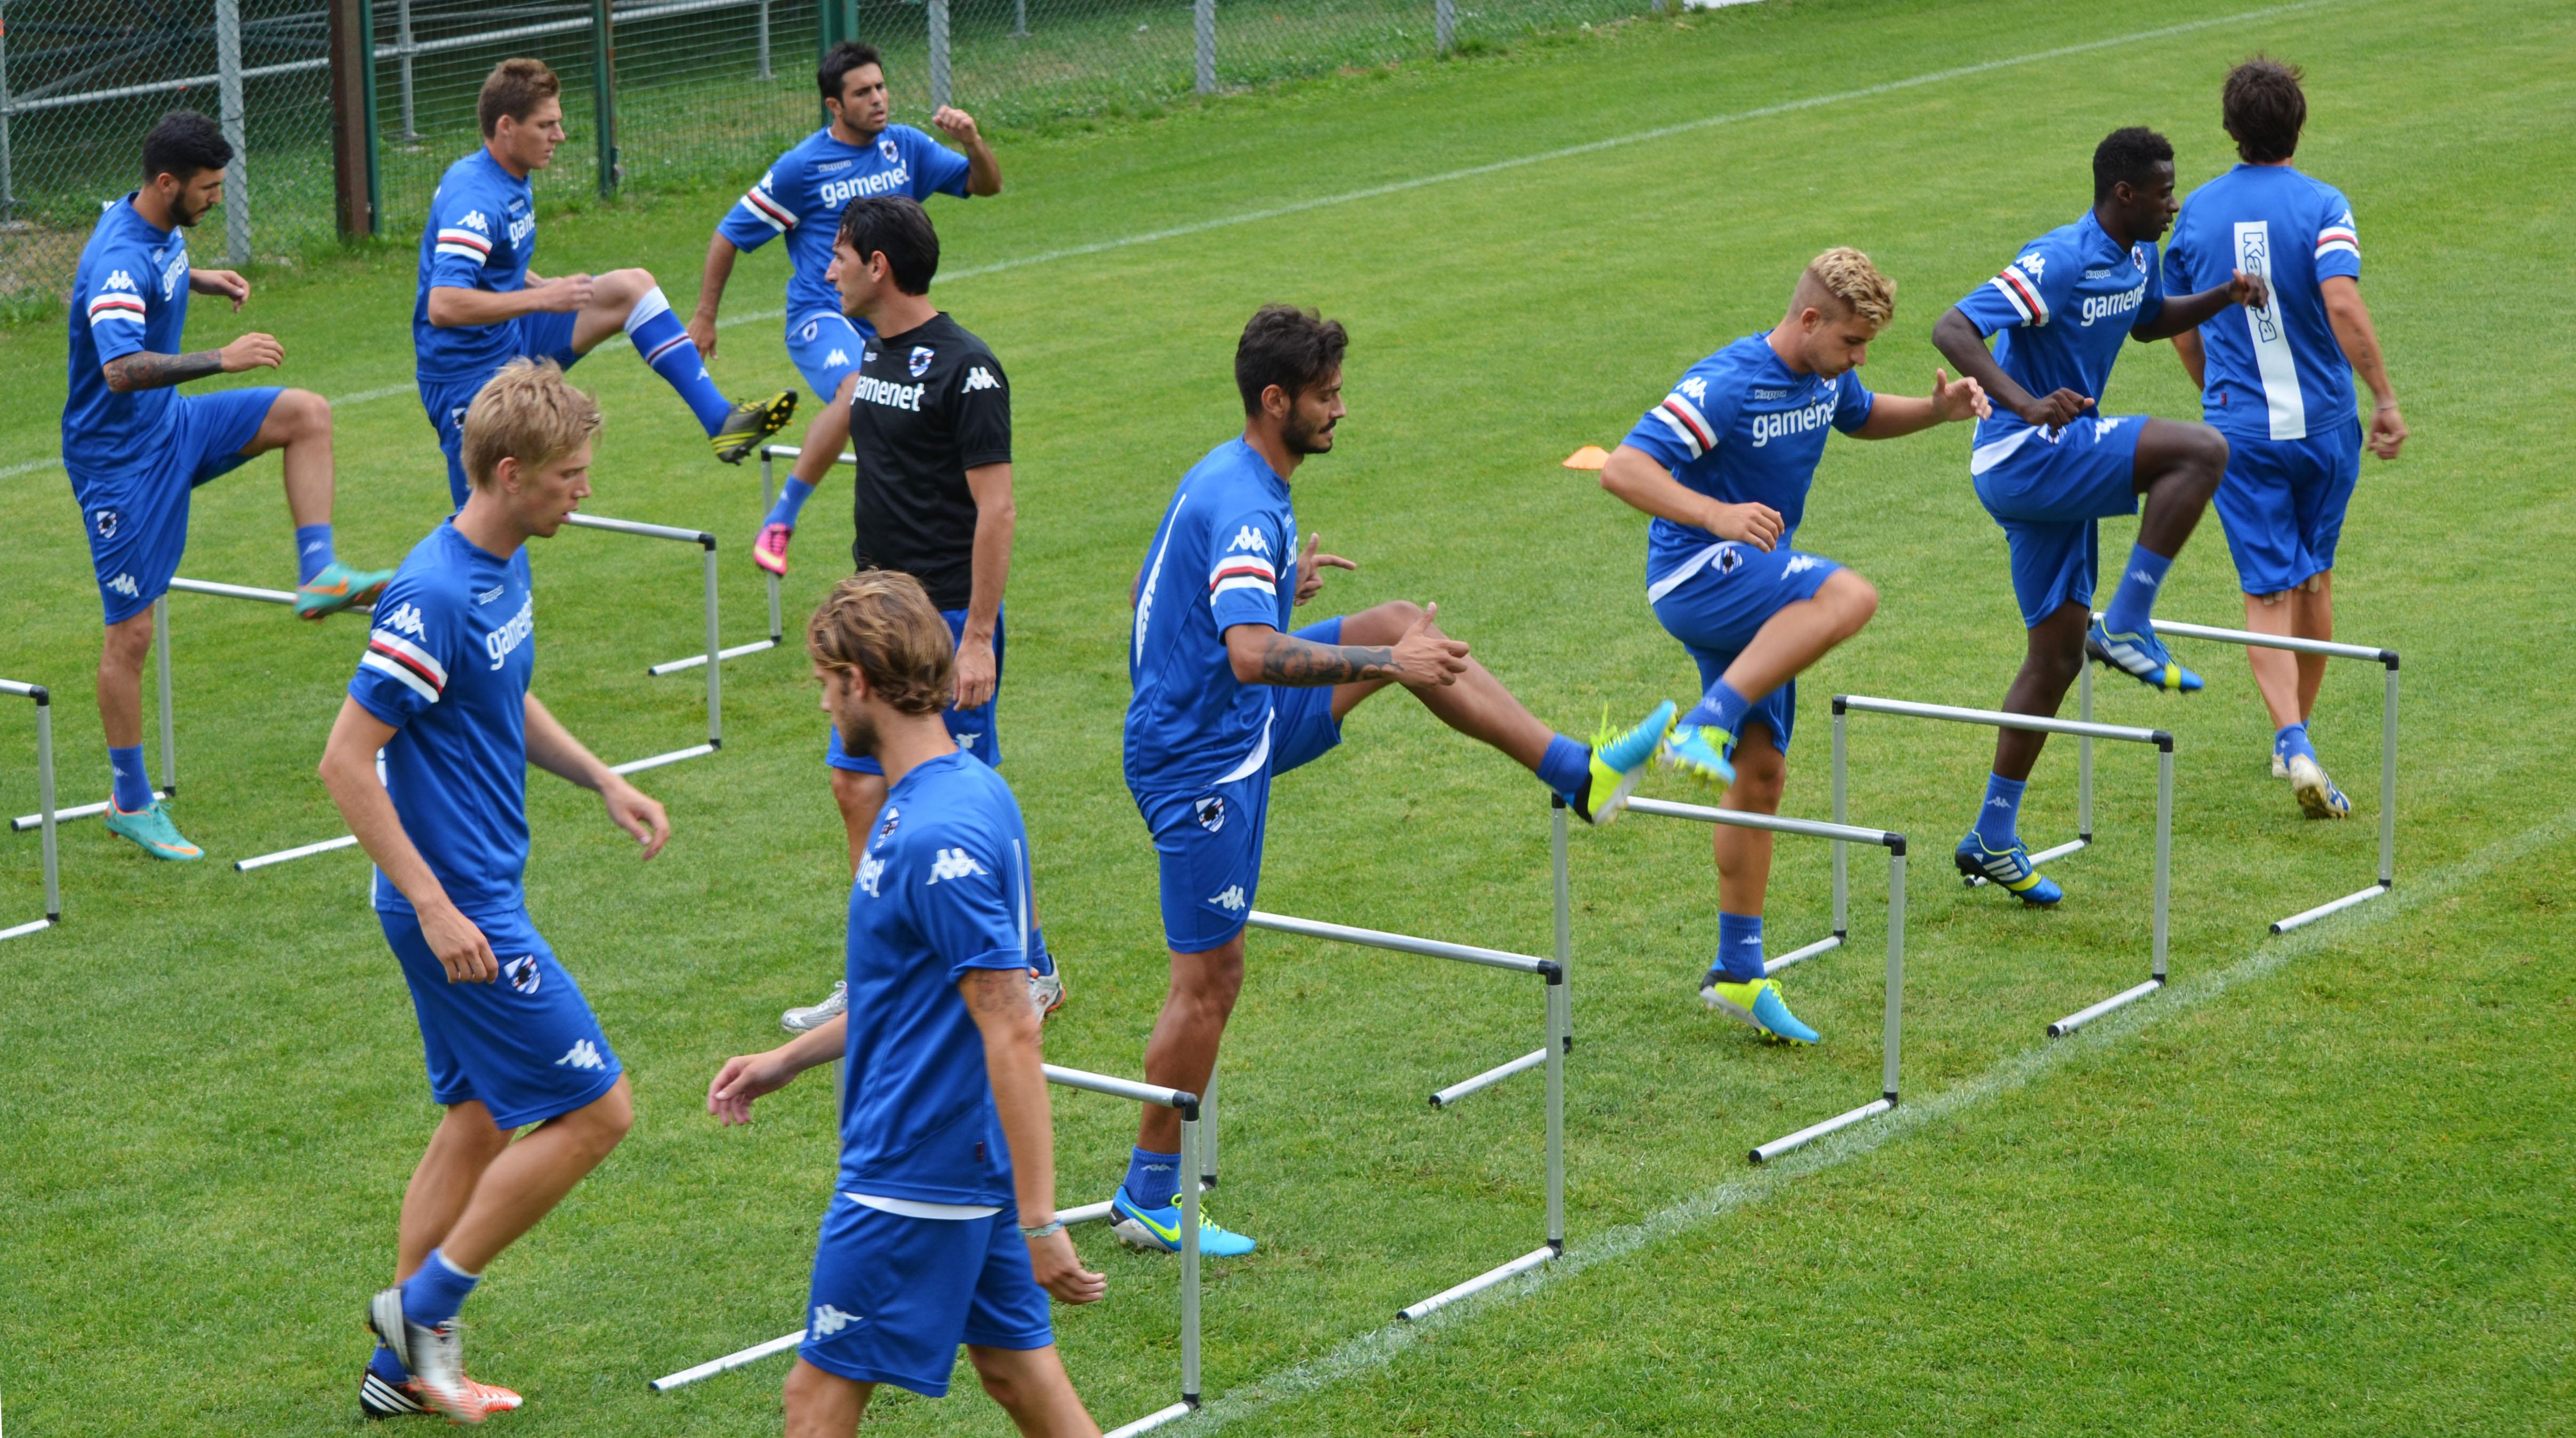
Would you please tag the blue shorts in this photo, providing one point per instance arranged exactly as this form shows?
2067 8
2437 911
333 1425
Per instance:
537 336
971 728
1721 597
827 349
2282 503
1209 839
525 1044
893 1296
2047 488
137 519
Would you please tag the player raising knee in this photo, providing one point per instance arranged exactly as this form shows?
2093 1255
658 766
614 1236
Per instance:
2049 468
1228 694
511 1045
135 447
942 1227
857 156
1724 465
2278 383
480 305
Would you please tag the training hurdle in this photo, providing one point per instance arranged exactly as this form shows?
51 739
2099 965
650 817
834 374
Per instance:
2081 729
777 631
45 806
1188 1104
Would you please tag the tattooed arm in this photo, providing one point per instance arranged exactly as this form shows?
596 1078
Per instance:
1422 658
146 370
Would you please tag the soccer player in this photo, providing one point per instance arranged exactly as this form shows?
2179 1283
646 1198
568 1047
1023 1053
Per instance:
930 420
1724 464
2278 383
1228 694
945 1126
2049 472
857 155
510 1043
480 306
135 447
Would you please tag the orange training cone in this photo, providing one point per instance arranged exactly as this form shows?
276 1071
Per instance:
1591 456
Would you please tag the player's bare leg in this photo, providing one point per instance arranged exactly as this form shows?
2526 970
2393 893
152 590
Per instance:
1032 1386
1802 633
1181 1053
2177 468
824 1405
532 1175
2289 684
1476 705
630 300
1744 855
861 798
460 1151
300 424
612 299
120 679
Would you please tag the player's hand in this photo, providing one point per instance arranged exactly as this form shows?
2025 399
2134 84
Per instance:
252 351
563 294
702 333
226 283
1058 1270
638 813
2387 430
1965 399
1310 569
1756 524
2249 291
459 946
1425 658
2055 410
957 125
743 1078
979 673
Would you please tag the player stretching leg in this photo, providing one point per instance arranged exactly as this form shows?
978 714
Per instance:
2048 472
2278 384
480 306
1228 695
946 1127
135 447
443 693
856 156
1724 465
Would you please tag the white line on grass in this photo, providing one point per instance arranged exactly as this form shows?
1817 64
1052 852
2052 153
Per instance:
1379 1347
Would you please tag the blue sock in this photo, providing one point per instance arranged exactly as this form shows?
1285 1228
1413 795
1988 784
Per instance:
2000 819
791 502
312 551
1153 1178
2133 605
133 783
433 1295
387 1367
2292 741
1721 709
1739 946
1566 766
665 345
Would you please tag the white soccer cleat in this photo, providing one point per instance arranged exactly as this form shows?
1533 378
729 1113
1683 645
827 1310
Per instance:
812 1017
2318 797
435 1358
2280 766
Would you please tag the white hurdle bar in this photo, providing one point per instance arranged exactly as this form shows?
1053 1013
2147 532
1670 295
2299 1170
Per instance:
1188 1104
45 806
2038 724
1537 1057
1891 1037
1559 1020
2387 659
777 632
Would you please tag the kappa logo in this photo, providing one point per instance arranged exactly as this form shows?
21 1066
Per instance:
1250 540
1999 803
954 864
919 361
106 522
474 221
2097 272
1696 388
1211 812
2102 429
1231 900
124 584
406 620
966 740
981 378
2031 265
1798 564
829 1320
582 1055
118 280
837 359
524 978
871 874
488 595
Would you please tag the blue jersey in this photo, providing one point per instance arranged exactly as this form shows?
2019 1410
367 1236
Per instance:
2277 372
802 194
1214 563
129 295
1743 428
2064 307
942 889
482 230
447 666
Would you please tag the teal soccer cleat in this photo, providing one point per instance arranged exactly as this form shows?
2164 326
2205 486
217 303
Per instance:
1756 1002
151 830
2142 657
1158 1230
339 587
1618 762
1699 751
2007 869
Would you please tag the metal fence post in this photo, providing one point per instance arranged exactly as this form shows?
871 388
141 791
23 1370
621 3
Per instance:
228 84
1019 31
1444 23
8 193
403 51
1203 17
353 120
764 39
603 90
938 53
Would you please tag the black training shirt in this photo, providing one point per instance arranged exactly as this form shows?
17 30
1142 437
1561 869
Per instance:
930 404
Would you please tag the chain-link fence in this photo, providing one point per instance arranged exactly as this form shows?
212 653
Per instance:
702 92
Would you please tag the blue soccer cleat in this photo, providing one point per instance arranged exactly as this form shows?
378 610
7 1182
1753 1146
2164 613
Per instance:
1756 1002
1158 1230
1618 762
2007 869
2317 795
1699 751
2142 657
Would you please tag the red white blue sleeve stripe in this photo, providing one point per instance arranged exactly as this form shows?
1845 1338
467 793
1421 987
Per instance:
116 305
390 653
2338 237
1242 571
463 243
769 212
2024 295
1687 424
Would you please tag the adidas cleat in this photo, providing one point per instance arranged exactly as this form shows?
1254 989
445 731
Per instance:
151 830
769 551
814 1016
1158 1230
434 1357
2280 766
2142 657
1700 752
339 587
2318 797
1618 762
1756 1002
379 1399
752 421
2007 869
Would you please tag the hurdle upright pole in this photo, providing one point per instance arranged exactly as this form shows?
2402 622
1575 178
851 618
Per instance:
1207 1133
715 645
169 723
1560 1037
1842 852
1190 1259
2084 757
45 807
2388 778
1564 906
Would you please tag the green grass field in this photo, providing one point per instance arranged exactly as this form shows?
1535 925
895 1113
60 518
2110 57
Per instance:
2321 1185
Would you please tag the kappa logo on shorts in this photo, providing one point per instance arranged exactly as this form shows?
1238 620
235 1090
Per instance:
2102 429
829 1321
582 1055
1231 899
1211 812
1798 564
919 360
107 522
523 976
124 584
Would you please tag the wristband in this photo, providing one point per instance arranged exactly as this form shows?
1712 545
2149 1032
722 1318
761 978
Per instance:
1050 1227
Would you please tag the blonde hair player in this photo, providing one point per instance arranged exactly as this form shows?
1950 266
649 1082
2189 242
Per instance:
511 1045
1723 464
